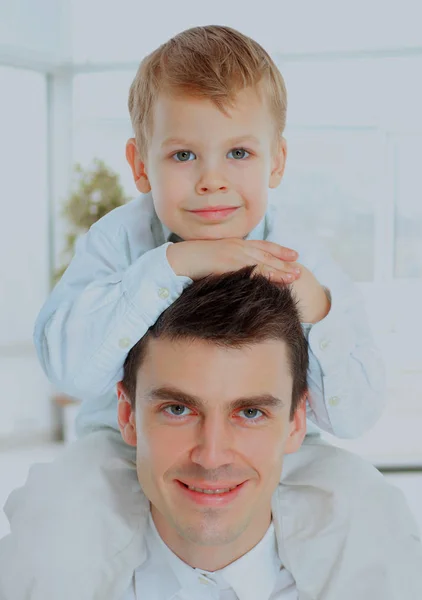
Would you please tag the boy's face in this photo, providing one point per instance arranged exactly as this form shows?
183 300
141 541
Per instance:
209 172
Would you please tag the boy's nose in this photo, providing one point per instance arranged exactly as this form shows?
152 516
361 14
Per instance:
210 183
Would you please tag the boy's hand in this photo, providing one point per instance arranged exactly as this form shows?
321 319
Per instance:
314 303
198 258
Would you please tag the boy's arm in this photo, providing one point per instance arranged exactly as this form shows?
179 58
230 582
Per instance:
346 373
100 308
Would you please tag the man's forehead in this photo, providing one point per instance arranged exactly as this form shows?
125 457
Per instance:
192 343
195 364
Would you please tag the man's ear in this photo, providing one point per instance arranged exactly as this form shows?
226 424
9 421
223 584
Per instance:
138 167
126 416
278 163
297 428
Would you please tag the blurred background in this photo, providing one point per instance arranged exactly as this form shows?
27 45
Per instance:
354 78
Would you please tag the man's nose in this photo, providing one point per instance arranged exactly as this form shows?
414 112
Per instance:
211 180
214 446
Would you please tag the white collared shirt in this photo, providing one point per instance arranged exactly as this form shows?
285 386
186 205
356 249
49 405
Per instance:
120 281
256 575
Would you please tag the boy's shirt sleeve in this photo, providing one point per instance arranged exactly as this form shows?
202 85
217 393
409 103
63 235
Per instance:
346 375
104 303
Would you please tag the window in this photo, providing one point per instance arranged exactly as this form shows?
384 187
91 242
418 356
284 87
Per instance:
408 207
101 121
24 249
330 188
23 127
353 177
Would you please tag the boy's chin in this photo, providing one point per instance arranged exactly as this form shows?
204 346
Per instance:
217 231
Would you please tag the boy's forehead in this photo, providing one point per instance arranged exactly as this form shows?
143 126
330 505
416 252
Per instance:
176 115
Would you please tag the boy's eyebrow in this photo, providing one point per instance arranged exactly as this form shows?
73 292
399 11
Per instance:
242 139
175 142
177 396
236 141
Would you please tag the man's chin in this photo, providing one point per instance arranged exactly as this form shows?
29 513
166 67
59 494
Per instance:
209 531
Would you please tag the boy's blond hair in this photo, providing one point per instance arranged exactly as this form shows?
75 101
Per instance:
211 62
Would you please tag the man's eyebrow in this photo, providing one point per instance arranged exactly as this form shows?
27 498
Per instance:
177 396
172 394
259 401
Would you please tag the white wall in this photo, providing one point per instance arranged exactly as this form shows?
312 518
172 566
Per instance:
24 251
126 30
372 102
35 30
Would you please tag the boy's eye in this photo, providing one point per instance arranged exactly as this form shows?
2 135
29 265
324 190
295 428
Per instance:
238 153
177 410
251 414
184 156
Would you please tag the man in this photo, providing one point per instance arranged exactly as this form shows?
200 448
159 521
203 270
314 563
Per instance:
216 391
213 401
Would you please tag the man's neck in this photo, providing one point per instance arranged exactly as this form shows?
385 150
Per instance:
215 557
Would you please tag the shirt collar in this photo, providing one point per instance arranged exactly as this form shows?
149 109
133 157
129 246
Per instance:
183 576
262 562
263 565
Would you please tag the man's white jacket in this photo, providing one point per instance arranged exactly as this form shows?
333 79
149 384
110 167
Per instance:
350 536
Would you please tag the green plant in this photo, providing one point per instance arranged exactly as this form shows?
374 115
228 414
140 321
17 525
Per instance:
97 192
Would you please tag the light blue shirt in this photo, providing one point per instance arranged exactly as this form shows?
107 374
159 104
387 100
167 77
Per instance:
120 281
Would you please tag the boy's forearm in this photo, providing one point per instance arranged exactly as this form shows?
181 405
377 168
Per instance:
83 336
347 379
346 376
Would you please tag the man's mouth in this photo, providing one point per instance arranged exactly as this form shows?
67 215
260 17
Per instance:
217 495
211 491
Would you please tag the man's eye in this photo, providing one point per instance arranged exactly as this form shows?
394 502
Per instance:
184 156
238 153
177 410
252 414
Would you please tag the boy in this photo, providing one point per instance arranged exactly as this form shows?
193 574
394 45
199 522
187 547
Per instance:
208 109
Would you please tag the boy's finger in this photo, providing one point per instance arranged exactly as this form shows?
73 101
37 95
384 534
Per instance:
273 274
276 250
280 277
263 257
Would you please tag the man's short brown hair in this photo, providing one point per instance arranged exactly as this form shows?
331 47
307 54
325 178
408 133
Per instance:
231 310
211 62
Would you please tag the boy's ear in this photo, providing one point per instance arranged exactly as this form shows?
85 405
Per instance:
126 416
297 428
138 167
278 164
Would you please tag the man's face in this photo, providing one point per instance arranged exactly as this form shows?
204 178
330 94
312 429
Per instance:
209 172
211 427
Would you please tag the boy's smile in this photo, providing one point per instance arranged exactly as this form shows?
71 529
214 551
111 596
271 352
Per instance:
215 214
209 170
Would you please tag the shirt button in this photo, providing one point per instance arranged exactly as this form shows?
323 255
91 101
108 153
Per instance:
163 293
334 401
204 580
124 343
324 344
